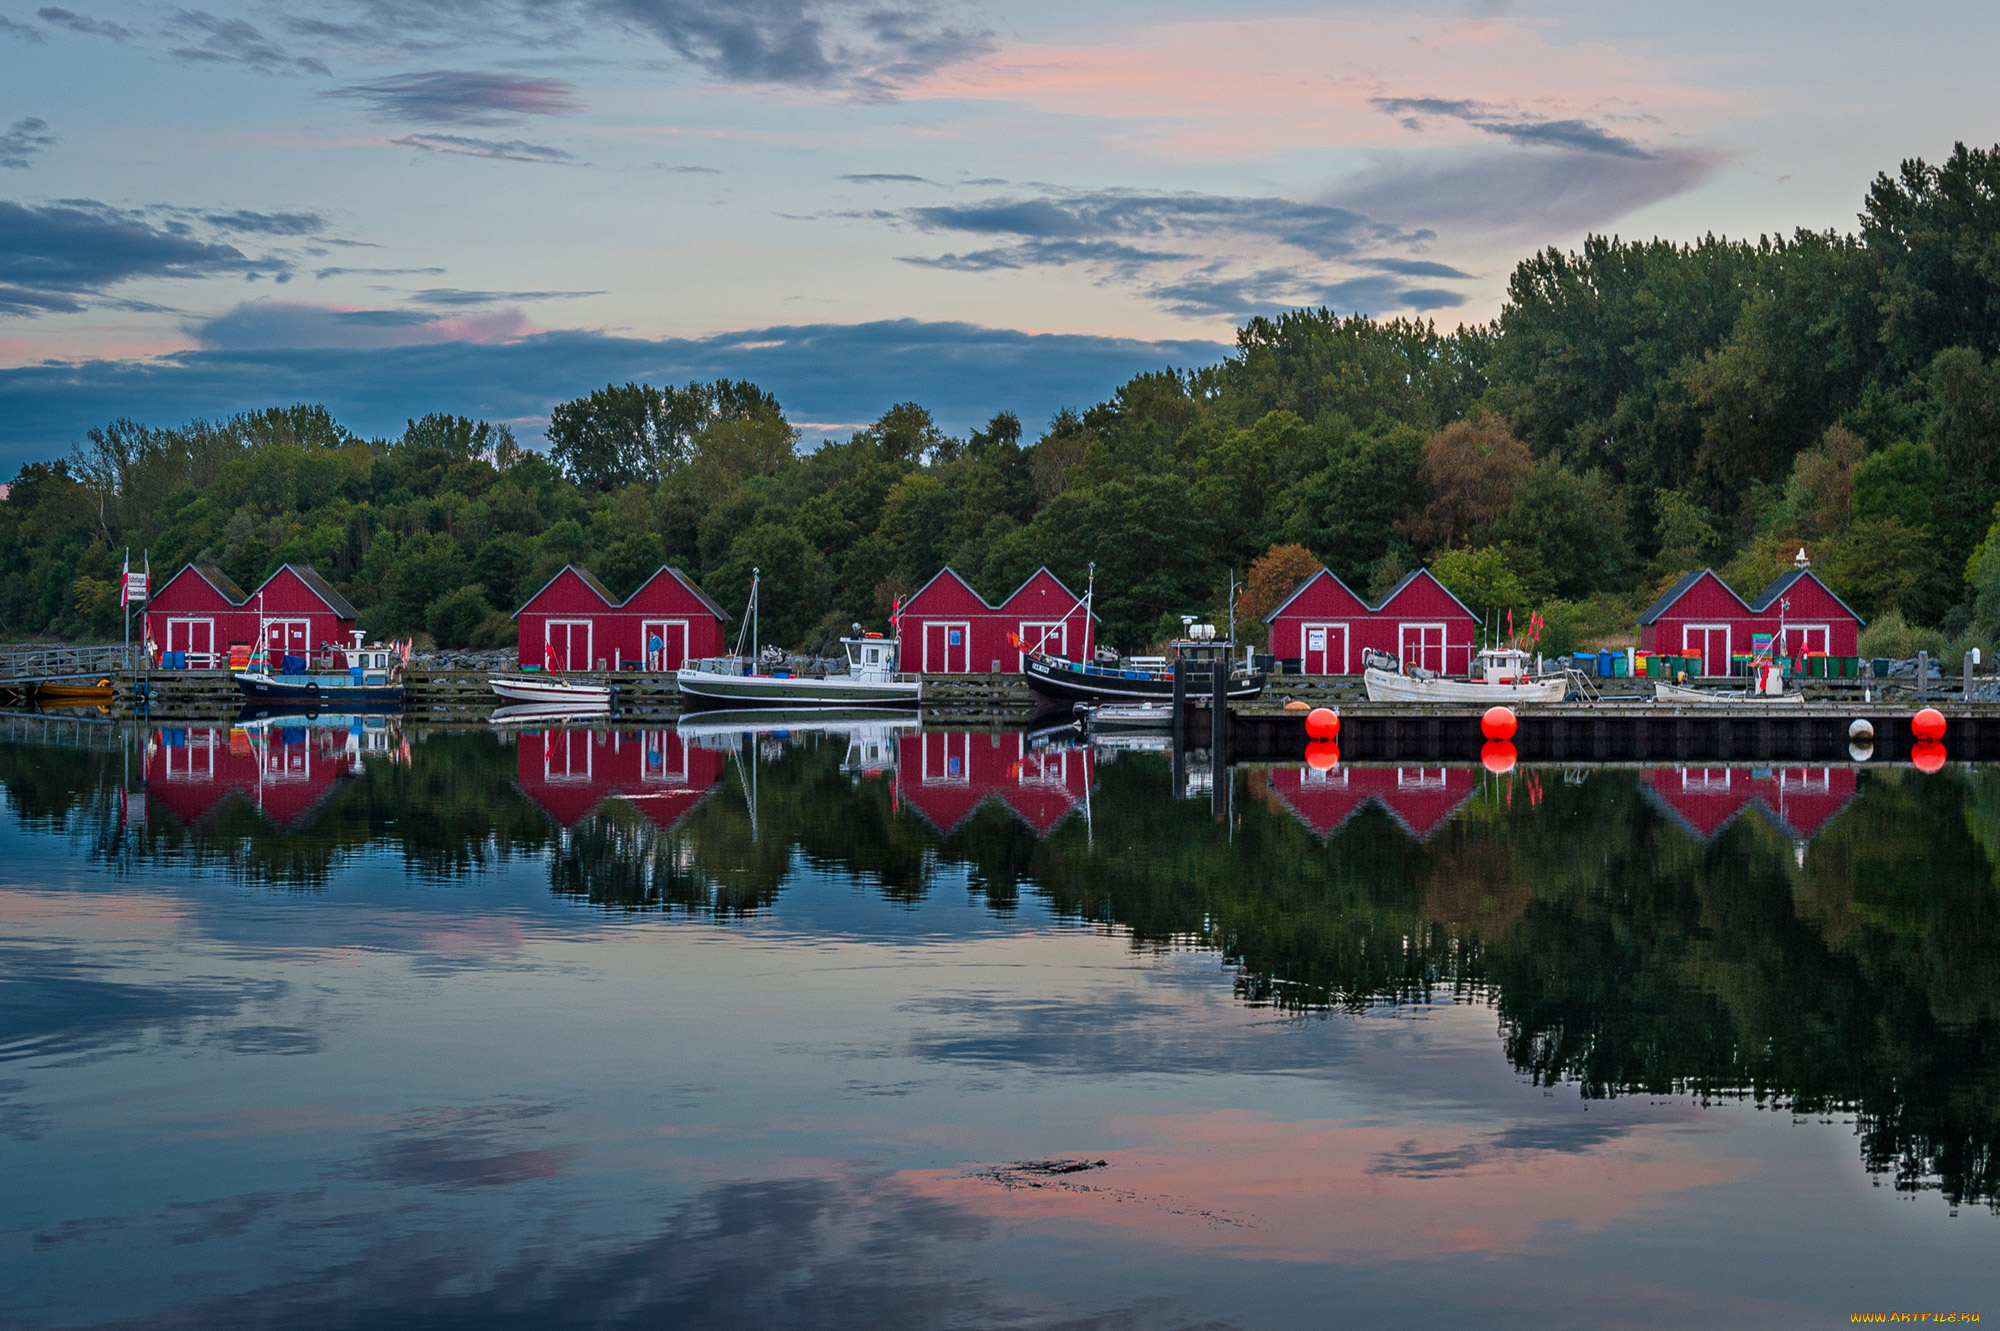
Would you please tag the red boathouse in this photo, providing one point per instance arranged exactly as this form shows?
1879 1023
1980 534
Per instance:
1328 630
201 612
1700 615
574 623
947 628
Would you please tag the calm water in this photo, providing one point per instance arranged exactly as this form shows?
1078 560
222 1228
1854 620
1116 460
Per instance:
674 1029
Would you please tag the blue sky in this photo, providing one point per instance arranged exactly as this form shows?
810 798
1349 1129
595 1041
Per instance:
489 205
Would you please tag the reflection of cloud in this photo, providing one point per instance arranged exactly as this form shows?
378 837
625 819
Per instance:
1319 1191
375 379
461 97
53 1005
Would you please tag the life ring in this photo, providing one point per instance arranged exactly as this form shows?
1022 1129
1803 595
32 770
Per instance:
312 693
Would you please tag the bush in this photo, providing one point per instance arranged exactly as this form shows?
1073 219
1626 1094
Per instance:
1892 636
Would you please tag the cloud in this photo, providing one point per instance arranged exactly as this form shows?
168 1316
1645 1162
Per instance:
375 380
245 222
23 141
1533 194
453 296
1529 131
80 23
54 257
503 150
694 170
233 41
462 97
289 324
1272 291
869 48
9 28
323 273
1319 229
886 178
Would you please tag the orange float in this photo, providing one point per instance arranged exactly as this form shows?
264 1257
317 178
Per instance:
1322 723
1499 723
1928 724
1322 755
1498 755
1927 755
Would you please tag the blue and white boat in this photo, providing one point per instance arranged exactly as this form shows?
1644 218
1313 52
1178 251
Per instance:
370 675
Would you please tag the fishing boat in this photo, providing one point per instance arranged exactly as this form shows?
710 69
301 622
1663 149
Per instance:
738 681
368 675
1502 675
1061 683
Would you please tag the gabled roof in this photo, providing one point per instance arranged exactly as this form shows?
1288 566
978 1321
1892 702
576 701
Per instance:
589 580
1024 586
1784 583
1300 590
1681 588
668 570
319 587
215 578
957 577
1411 577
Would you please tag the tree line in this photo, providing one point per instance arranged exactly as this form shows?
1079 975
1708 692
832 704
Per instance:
1638 408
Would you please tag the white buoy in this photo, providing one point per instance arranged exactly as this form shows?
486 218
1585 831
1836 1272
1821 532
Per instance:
1861 728
1861 750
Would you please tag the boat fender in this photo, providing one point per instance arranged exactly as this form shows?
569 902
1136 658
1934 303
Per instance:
1861 728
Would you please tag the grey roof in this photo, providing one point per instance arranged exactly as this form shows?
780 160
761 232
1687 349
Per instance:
689 583
1678 590
322 589
219 580
1784 584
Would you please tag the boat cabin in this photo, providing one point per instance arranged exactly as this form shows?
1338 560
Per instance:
870 656
1503 665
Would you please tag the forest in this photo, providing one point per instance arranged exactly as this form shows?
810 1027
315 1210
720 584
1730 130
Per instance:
1637 409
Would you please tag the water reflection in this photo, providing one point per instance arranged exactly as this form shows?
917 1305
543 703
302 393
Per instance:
1818 939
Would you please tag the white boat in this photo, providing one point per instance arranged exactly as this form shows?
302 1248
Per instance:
1679 694
732 682
1502 675
548 690
1110 716
547 713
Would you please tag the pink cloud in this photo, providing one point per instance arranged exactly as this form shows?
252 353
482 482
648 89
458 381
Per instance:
1244 88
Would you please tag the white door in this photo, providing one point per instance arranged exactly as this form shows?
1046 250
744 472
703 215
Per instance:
196 637
947 759
1323 649
1803 638
665 643
288 637
1047 636
1711 643
569 643
1422 645
948 647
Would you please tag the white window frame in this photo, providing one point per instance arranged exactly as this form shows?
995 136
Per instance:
549 627
569 775
281 630
964 626
187 624
1305 648
942 776
665 626
1403 628
1031 633
1825 632
1728 643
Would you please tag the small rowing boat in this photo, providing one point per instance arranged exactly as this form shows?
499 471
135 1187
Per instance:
548 691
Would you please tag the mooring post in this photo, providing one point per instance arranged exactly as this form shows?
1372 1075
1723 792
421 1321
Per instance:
1923 676
1219 779
1180 729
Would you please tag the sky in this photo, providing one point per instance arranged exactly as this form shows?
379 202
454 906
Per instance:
489 206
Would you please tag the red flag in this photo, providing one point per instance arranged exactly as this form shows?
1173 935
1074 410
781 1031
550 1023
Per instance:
1510 622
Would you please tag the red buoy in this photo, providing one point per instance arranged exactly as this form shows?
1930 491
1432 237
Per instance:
1498 754
1498 723
1928 724
1322 723
1322 755
1927 755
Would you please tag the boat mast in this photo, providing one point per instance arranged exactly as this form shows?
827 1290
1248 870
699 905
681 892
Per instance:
749 618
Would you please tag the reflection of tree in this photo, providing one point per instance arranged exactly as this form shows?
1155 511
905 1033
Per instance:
1622 954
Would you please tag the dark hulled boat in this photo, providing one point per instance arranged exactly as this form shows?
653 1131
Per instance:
1059 683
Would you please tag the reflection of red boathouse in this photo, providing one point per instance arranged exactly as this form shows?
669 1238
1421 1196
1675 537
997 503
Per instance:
285 772
1421 799
1798 801
570 772
946 775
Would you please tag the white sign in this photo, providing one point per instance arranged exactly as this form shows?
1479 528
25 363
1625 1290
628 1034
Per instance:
135 588
1315 640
